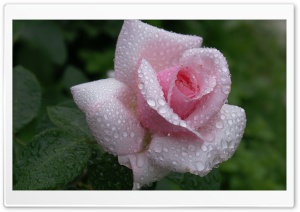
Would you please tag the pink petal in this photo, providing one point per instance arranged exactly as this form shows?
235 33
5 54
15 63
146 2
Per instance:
162 49
182 99
108 105
214 68
199 157
144 170
153 110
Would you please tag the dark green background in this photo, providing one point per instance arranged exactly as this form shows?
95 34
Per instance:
65 53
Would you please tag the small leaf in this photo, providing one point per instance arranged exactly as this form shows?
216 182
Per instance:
96 61
73 76
46 36
105 173
69 117
52 158
188 181
26 97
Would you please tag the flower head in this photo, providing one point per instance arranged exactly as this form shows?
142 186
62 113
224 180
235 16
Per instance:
165 109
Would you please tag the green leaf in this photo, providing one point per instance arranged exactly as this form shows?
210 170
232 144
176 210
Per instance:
97 61
65 117
17 28
26 97
73 76
105 173
188 181
52 158
46 36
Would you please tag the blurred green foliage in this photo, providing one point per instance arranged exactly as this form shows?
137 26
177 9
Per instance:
51 56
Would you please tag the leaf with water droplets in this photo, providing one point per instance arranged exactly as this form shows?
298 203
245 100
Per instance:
51 159
69 117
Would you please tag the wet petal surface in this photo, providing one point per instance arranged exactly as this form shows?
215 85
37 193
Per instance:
109 108
224 134
138 40
144 170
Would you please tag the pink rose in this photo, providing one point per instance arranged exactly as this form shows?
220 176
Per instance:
165 109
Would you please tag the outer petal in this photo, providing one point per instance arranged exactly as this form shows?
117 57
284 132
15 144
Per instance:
108 107
161 48
211 63
144 170
187 155
153 110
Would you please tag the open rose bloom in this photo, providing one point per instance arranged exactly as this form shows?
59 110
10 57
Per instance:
165 109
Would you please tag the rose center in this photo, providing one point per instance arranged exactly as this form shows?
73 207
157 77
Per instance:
187 82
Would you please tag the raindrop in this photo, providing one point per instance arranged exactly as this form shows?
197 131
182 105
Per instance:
165 149
161 102
141 85
151 102
162 110
132 134
157 148
226 89
229 122
174 163
182 123
223 117
224 69
224 144
116 135
125 134
204 148
200 166
184 154
219 125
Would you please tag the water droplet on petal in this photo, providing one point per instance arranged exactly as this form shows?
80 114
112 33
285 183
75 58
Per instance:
200 166
162 110
125 134
224 144
219 125
161 102
132 134
157 148
116 135
151 102
182 123
204 148
226 89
